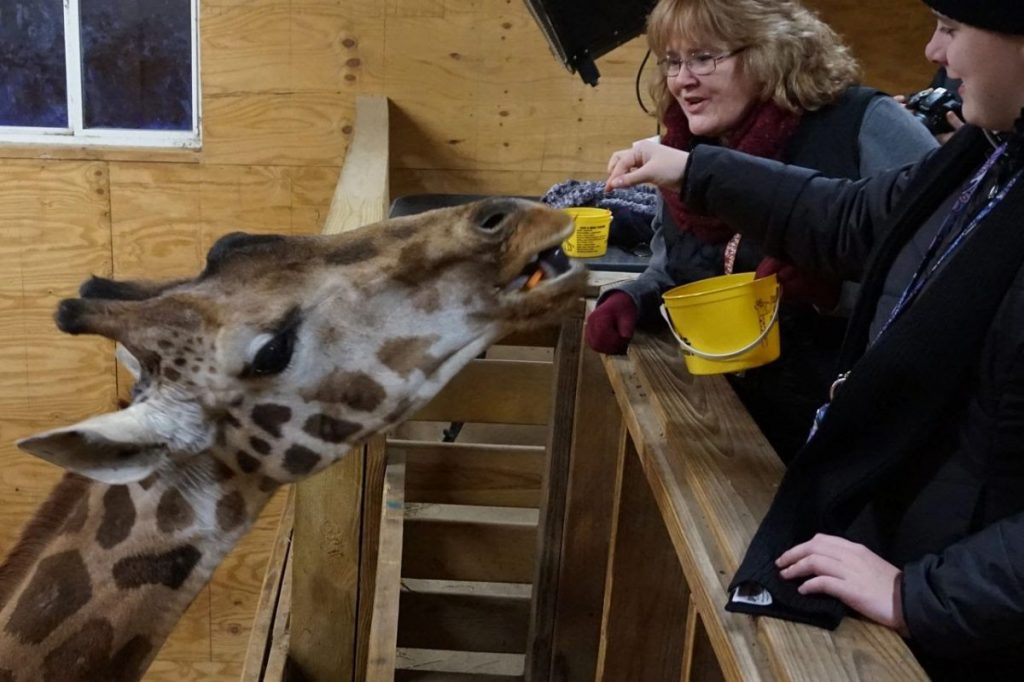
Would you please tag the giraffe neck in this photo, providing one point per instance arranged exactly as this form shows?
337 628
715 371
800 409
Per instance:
103 573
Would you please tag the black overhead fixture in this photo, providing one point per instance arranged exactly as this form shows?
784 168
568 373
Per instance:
580 31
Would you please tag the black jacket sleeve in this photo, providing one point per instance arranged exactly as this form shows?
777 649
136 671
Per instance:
817 223
970 597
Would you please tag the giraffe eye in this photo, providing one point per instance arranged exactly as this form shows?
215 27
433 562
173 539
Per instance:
273 357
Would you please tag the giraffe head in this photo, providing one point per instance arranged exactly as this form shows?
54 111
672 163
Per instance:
284 349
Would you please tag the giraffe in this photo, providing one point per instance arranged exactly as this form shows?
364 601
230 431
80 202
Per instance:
259 372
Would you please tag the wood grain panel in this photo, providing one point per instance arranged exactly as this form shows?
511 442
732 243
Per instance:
503 391
888 38
454 473
463 622
444 550
274 129
290 48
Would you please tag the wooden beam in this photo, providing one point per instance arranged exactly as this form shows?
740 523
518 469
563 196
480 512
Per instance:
383 639
646 592
261 637
363 194
598 434
374 478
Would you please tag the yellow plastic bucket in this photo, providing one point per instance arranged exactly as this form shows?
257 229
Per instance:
589 239
725 324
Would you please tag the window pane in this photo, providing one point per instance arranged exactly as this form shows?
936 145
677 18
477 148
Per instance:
33 85
137 64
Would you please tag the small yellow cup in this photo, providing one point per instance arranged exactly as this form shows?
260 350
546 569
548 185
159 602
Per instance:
590 238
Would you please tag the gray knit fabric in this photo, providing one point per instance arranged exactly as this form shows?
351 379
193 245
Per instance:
641 200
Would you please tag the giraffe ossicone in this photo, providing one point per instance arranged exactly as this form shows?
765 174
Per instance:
261 371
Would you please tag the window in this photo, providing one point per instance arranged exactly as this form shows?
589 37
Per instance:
110 72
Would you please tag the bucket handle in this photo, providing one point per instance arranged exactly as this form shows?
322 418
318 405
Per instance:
722 356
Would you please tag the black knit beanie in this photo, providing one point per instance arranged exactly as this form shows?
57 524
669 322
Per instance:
1001 16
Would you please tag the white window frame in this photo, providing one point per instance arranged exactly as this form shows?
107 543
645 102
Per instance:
77 134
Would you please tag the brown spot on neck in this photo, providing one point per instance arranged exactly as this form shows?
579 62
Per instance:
299 460
173 512
83 656
329 429
49 520
231 511
405 353
59 587
246 462
271 418
170 569
118 517
129 662
357 390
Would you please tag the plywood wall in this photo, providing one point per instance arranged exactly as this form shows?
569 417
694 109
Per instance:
479 105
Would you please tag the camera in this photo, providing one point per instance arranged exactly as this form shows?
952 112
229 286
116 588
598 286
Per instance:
930 106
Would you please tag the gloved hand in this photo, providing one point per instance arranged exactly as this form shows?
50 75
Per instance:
801 286
610 327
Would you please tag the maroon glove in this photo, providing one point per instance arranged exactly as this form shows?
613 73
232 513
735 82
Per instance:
800 286
610 327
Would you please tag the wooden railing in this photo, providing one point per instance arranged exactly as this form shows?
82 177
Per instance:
692 478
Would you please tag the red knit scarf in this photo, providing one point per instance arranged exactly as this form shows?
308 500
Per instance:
764 132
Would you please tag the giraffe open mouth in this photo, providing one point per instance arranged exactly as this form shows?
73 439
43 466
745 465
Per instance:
548 265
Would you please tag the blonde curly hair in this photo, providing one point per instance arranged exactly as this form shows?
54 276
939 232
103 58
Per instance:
798 60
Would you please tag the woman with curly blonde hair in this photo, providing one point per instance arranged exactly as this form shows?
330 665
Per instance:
768 78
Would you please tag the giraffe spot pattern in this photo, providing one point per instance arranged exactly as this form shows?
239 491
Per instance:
406 353
329 429
222 471
170 569
231 511
147 482
129 662
267 484
180 362
59 587
118 517
171 373
428 300
173 512
83 656
357 390
259 445
271 417
246 462
299 460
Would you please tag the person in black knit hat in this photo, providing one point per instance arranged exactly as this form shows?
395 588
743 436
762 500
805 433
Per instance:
906 505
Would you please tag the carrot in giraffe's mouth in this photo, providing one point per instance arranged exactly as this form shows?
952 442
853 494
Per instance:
548 264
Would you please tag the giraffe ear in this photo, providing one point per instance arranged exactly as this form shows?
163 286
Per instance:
113 448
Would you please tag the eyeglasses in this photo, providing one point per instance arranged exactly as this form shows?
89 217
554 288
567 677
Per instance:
698 63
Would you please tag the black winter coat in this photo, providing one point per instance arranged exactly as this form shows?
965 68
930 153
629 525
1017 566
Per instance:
921 456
